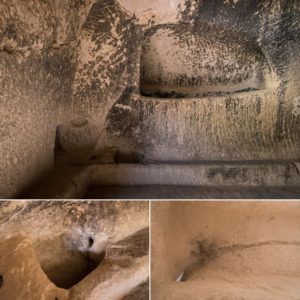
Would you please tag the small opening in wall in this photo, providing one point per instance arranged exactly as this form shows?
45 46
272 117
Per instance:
91 242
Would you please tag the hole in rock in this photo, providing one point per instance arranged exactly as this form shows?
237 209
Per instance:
1 281
74 269
91 242
67 265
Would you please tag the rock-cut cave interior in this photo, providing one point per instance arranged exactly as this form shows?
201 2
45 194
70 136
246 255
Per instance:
159 99
103 102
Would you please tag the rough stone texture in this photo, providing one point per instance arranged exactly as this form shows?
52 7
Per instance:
225 250
22 275
71 250
208 59
107 60
244 126
60 60
37 65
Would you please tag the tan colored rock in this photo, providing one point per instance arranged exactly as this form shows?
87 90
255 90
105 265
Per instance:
73 250
225 250
23 277
76 140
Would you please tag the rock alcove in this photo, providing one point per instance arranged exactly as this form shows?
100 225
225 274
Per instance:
198 60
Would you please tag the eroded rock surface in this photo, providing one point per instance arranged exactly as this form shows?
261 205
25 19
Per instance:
73 250
225 250
238 60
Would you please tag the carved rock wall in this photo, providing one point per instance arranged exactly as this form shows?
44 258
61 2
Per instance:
91 58
38 41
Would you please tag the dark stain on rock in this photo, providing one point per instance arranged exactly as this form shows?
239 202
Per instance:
121 68
136 245
227 174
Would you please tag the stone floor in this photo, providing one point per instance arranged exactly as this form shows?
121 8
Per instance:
191 192
253 180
